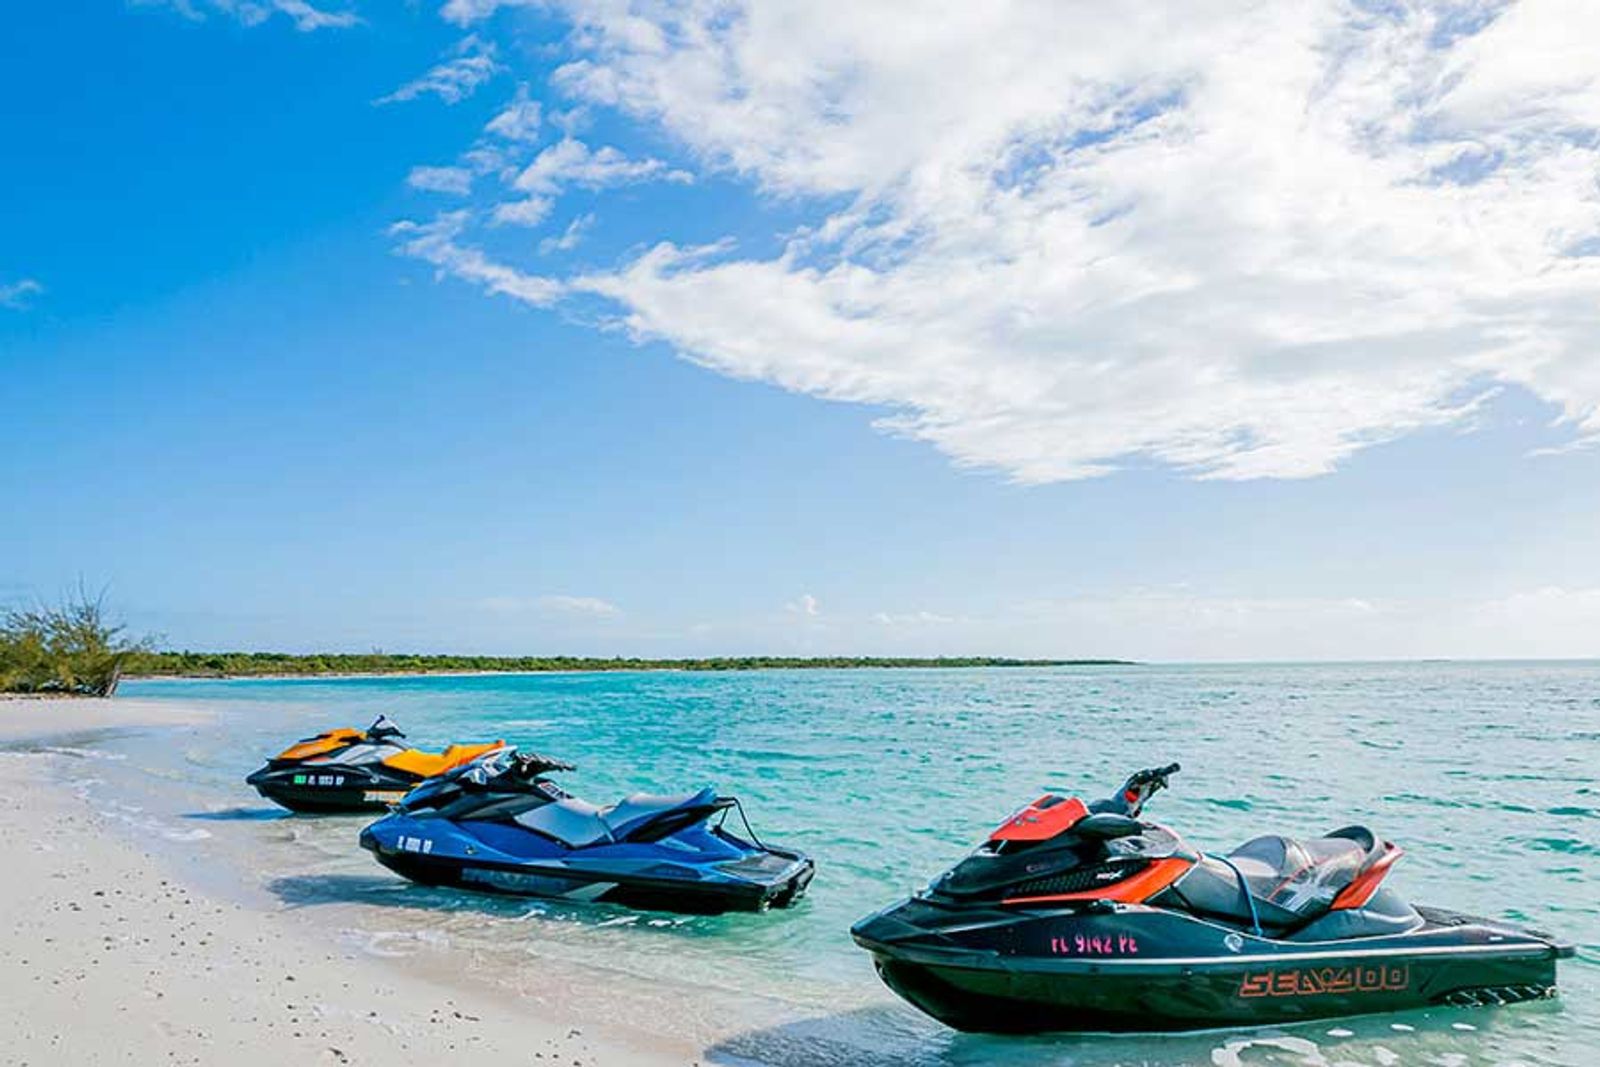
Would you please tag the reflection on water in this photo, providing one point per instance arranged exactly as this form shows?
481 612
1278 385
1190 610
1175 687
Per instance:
1485 773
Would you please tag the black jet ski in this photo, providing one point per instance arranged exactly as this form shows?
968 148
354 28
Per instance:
1077 916
354 770
500 824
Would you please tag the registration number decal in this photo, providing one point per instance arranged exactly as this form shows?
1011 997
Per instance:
319 779
1095 945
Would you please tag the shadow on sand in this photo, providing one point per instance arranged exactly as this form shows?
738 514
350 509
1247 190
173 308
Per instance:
240 814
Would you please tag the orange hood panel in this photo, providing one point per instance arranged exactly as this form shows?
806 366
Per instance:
322 744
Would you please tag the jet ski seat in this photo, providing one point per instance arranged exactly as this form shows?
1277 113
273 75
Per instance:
579 824
1291 882
575 823
633 812
1304 877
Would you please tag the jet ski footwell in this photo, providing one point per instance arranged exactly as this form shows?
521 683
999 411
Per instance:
1136 968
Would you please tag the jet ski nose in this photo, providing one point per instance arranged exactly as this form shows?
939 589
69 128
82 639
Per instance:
886 927
258 776
368 839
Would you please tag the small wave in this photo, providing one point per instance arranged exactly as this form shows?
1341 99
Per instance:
1568 845
396 944
133 815
1230 1055
30 748
1232 804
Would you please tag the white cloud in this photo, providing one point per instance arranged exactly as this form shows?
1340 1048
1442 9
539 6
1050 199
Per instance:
591 606
570 162
1241 240
456 180
528 211
305 16
807 606
465 12
551 604
1182 625
471 63
436 243
17 295
518 120
912 618
570 238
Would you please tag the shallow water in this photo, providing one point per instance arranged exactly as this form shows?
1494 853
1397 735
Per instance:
1486 773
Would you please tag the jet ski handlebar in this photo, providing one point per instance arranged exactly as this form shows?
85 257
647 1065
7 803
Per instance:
531 764
1140 787
1156 776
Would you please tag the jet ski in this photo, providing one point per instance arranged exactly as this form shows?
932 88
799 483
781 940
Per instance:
354 770
1081 917
500 824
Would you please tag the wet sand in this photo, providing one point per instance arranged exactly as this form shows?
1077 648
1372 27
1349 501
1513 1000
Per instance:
107 957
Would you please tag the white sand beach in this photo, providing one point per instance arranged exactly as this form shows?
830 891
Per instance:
108 957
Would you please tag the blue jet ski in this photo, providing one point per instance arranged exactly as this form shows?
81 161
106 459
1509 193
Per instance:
500 824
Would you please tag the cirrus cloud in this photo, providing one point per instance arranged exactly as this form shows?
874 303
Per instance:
305 16
18 295
469 64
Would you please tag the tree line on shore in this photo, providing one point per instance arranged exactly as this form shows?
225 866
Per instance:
147 663
75 649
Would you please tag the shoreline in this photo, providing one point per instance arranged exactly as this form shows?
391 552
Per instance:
521 672
112 956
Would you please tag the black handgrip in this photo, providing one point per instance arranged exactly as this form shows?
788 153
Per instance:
1155 774
531 763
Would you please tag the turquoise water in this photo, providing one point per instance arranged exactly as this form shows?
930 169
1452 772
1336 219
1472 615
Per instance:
1485 773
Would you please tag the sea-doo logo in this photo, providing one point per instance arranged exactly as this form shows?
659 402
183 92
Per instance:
1322 981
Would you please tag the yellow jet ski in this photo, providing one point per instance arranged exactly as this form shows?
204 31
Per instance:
347 770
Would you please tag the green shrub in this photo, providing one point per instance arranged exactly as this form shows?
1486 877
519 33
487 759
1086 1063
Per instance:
70 649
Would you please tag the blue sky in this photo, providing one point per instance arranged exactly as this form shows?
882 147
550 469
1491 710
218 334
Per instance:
640 329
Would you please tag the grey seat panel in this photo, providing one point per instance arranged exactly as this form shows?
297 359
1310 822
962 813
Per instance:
1303 876
641 807
573 822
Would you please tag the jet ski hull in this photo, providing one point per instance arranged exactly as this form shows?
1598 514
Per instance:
1137 968
324 790
743 877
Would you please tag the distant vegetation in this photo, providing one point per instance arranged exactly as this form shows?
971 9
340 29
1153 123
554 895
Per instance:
72 649
248 664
